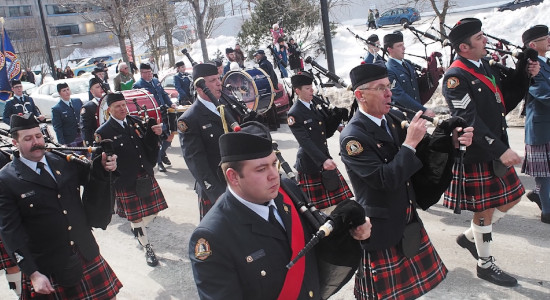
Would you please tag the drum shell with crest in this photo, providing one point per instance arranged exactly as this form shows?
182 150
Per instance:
253 87
141 103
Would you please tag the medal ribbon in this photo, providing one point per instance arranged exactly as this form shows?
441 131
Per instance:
490 83
294 276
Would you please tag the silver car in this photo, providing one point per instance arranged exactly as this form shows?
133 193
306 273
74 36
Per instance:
46 95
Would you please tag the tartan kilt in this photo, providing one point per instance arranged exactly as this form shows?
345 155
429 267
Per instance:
132 207
98 282
312 186
388 274
537 160
5 259
205 205
482 190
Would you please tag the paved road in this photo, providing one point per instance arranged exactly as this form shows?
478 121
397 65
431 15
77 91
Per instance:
521 242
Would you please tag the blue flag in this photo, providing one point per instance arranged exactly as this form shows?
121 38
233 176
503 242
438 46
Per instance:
10 67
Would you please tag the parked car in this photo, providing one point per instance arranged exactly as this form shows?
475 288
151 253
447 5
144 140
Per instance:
46 95
87 64
404 15
518 4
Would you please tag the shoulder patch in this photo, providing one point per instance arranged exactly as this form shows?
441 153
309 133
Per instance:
83 110
182 127
290 120
452 82
97 138
202 249
353 147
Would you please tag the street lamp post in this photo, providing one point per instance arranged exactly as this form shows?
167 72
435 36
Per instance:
47 39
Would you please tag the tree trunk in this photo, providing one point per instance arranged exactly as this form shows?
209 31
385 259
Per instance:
200 28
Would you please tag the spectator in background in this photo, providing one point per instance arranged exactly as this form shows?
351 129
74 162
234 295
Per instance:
133 67
294 59
276 33
219 65
371 20
230 53
118 65
239 55
154 67
281 51
68 72
30 75
124 80
60 74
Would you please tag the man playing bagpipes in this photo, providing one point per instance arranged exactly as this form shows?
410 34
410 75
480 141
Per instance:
241 247
382 159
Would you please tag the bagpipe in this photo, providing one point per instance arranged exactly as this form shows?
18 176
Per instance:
428 78
338 254
186 53
437 153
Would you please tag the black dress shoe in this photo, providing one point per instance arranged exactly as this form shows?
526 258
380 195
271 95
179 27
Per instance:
534 197
464 242
545 218
495 275
166 161
161 167
150 256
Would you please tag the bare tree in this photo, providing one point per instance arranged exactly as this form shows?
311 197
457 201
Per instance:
115 15
440 8
29 44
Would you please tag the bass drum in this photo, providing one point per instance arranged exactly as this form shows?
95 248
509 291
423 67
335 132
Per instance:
140 103
253 87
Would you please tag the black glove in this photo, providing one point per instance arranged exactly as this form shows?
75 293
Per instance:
450 124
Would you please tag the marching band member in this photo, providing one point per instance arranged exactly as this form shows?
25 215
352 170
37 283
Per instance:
477 93
137 194
317 172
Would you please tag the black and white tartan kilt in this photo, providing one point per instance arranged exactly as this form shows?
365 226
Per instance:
132 207
388 274
312 185
98 282
537 160
5 259
481 189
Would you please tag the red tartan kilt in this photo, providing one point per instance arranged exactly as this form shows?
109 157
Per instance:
5 259
131 207
482 190
388 274
99 282
312 185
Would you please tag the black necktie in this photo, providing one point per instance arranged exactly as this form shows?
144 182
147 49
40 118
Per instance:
44 175
385 127
548 61
273 220
406 68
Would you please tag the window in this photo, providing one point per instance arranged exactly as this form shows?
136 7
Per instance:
217 11
59 10
22 34
19 11
65 30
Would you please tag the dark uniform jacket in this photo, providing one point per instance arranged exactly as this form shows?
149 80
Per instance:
370 58
472 100
265 65
89 121
248 255
134 153
309 130
66 121
537 112
380 170
14 106
154 87
405 91
42 222
182 82
199 130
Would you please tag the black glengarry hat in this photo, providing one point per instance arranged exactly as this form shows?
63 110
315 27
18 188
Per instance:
22 122
392 38
114 97
252 142
204 69
366 73
94 81
301 79
534 33
463 29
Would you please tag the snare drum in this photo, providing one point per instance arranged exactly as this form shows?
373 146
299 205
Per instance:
253 87
140 103
173 115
